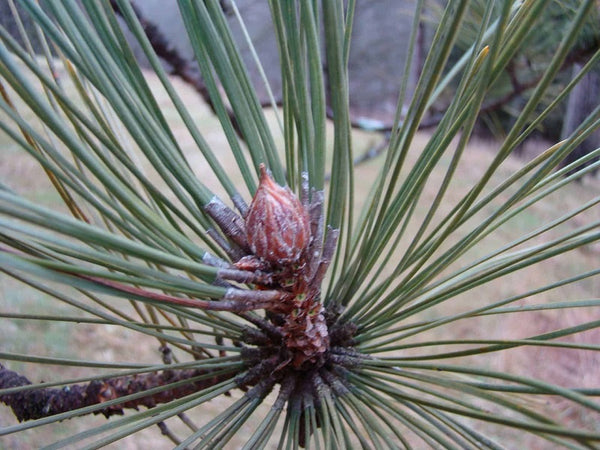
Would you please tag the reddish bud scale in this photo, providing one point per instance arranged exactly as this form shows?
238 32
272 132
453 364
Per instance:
277 224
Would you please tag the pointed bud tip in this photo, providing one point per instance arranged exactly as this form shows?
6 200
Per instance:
263 171
266 179
277 225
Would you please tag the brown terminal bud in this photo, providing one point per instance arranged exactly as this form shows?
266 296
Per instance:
277 224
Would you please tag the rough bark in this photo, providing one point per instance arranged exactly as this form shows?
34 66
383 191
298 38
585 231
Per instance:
38 403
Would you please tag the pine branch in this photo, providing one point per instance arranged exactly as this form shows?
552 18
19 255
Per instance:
37 403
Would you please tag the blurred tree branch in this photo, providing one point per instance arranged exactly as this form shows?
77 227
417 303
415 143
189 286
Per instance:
180 66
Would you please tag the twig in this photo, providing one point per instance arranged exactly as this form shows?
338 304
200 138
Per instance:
37 403
165 431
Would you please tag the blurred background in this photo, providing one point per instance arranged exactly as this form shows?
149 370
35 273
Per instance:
377 60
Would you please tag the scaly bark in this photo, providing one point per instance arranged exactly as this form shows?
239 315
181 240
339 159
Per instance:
38 403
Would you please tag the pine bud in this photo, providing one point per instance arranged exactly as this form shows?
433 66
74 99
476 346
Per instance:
277 224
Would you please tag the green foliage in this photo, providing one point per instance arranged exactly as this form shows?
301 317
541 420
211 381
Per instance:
507 95
430 289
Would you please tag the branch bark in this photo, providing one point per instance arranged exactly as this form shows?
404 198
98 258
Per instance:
38 403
